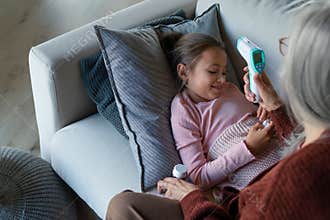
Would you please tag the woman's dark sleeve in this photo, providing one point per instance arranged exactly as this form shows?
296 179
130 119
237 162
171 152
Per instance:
282 123
196 206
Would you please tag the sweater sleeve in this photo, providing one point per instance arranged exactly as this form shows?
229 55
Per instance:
196 206
188 139
209 173
282 122
296 188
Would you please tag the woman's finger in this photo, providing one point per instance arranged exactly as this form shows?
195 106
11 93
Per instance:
168 194
248 95
265 79
263 115
246 69
246 78
173 193
164 185
259 82
246 90
160 187
171 180
259 111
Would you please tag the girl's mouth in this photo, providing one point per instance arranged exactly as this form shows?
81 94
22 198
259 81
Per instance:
216 86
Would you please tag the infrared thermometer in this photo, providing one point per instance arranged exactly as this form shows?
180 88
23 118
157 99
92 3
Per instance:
255 59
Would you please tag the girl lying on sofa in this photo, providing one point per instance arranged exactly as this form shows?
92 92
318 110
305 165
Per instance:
297 187
217 132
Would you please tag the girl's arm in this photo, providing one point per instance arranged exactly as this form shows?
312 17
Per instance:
188 139
209 173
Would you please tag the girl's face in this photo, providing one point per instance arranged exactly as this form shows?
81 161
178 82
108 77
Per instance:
205 79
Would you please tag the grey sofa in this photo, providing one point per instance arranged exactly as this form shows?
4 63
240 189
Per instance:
87 151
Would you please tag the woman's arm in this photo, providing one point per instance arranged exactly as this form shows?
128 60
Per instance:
282 122
196 206
271 102
194 203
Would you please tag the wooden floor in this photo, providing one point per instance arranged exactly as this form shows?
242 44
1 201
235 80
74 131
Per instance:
25 24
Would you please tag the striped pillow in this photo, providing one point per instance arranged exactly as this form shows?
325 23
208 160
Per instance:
143 87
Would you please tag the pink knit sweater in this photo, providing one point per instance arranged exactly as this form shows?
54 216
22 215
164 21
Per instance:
237 133
196 126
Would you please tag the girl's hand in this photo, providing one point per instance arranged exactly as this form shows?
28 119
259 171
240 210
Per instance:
175 188
269 100
259 137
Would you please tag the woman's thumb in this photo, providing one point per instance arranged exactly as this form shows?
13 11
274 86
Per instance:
259 82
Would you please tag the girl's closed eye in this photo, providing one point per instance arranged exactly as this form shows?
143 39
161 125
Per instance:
213 71
224 73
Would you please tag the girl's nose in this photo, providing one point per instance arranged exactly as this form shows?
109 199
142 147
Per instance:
221 78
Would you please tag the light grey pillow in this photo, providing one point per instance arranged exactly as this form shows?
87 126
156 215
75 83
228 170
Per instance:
143 86
207 23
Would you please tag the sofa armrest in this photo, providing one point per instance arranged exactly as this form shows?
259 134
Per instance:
58 92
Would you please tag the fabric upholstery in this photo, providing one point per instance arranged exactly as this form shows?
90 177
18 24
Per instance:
94 160
58 91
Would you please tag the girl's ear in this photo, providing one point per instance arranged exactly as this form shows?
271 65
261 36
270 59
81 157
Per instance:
182 71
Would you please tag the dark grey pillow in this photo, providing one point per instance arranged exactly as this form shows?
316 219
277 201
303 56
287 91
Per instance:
206 23
96 81
143 87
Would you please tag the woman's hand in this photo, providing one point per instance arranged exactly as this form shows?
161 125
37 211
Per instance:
175 188
259 137
262 113
269 100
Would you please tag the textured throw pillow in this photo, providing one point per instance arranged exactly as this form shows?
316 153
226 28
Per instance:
143 87
96 80
97 84
30 189
207 23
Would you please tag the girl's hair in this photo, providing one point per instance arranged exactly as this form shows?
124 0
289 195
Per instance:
186 49
306 70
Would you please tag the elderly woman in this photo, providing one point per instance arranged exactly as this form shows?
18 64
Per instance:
295 188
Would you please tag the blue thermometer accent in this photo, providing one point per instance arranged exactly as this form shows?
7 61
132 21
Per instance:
255 59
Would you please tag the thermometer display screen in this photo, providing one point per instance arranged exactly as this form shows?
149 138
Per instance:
257 57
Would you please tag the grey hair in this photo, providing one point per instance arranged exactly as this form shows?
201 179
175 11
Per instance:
306 69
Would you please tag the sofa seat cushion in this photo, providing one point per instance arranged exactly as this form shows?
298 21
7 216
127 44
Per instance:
95 160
